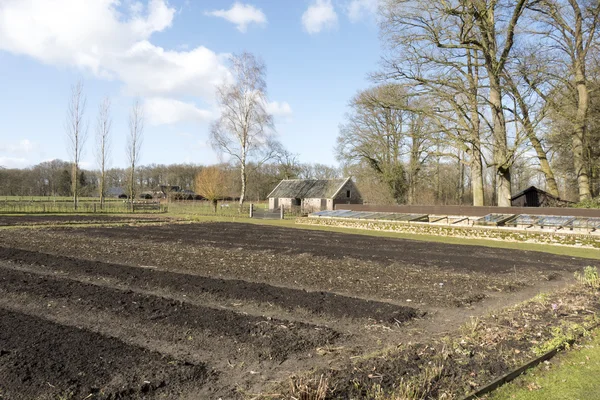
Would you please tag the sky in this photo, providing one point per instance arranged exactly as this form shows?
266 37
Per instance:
170 55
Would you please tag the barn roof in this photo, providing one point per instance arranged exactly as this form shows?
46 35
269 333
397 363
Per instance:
307 188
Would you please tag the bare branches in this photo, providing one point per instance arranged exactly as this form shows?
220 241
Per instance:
245 128
77 132
103 144
134 142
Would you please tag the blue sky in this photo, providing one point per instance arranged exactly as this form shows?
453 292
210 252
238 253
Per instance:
170 55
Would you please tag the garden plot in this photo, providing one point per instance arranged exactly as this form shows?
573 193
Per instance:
233 310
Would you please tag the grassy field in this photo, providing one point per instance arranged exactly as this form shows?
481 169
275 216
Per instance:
570 376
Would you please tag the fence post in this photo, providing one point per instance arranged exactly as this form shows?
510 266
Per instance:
251 210
281 212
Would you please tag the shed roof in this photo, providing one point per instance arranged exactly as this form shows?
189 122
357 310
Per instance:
307 188
532 189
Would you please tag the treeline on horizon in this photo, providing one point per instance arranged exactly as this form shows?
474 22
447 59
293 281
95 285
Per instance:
443 182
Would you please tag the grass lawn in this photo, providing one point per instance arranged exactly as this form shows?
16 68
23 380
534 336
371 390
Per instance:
572 375
553 249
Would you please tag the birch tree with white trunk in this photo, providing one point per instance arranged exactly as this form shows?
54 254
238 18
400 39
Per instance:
245 129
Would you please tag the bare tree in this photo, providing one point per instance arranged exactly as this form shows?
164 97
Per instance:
531 116
447 29
244 129
103 129
134 143
570 29
77 131
211 184
382 130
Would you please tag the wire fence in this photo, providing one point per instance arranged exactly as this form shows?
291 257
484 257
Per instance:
207 208
84 207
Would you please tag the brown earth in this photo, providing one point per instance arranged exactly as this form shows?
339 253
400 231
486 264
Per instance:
288 298
42 219
43 360
234 310
335 245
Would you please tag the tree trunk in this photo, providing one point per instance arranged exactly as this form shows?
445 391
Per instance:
102 185
244 178
475 148
477 177
461 178
75 183
131 183
579 132
501 156
551 185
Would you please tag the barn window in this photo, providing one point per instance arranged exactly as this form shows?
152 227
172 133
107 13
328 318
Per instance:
347 193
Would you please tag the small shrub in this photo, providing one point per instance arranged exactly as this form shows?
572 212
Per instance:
589 277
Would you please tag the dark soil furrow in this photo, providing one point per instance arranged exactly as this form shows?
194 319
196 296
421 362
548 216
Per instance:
315 302
274 338
43 360
339 245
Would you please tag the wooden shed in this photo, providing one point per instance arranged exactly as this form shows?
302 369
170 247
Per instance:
314 194
534 197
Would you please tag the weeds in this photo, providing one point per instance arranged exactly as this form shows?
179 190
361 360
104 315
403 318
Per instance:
589 277
562 337
542 298
470 328
305 388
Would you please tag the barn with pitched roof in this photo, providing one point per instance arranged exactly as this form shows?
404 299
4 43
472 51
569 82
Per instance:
314 194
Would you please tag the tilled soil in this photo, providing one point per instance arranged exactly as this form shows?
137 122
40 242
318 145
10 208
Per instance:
43 360
426 279
272 339
228 310
314 302
341 245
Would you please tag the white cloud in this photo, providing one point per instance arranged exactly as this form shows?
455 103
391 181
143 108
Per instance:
358 9
278 109
319 15
241 15
112 43
13 162
163 111
112 39
24 146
